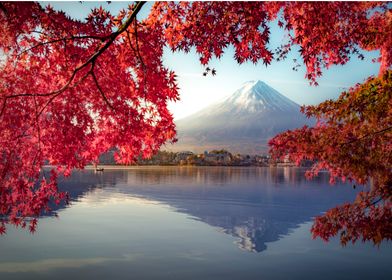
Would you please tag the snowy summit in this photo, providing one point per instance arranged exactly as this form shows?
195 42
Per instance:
256 95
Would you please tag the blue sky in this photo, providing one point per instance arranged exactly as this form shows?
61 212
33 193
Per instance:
197 91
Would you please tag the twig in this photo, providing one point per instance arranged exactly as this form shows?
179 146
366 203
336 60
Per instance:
137 47
100 90
376 201
367 135
38 132
3 9
141 60
59 92
101 38
3 107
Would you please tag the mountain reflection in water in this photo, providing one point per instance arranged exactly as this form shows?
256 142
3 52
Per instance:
255 205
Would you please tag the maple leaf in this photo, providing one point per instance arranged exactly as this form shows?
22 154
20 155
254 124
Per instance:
2 229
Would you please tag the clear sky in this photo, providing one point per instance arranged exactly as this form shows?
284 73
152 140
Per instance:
197 91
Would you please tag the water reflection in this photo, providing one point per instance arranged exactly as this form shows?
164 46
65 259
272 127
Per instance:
255 205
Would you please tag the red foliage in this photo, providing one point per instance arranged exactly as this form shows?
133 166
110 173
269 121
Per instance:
70 90
353 141
328 33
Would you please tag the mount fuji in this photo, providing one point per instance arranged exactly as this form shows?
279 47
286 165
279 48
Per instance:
241 123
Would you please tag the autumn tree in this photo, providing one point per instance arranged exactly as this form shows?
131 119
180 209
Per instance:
353 141
70 90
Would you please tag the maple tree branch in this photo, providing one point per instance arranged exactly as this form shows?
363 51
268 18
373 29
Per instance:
100 89
137 47
3 106
114 35
101 38
23 134
56 92
137 53
367 135
38 132
377 201
91 60
3 9
130 43
59 92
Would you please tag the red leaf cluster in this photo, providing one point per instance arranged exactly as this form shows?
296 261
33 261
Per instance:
353 141
69 91
328 33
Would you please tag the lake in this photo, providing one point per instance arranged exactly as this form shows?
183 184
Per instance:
190 223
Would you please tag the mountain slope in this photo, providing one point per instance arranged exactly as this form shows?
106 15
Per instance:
241 123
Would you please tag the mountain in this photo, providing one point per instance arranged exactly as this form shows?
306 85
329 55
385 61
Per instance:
241 123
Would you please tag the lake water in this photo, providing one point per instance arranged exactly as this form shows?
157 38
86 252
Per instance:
190 223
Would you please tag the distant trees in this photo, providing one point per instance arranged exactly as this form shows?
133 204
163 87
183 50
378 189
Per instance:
70 90
161 158
222 151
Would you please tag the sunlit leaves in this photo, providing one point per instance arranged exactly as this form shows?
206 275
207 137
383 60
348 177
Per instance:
64 106
353 141
327 33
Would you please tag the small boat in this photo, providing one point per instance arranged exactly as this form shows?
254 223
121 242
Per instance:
99 169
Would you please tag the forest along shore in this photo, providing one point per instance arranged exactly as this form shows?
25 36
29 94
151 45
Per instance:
208 158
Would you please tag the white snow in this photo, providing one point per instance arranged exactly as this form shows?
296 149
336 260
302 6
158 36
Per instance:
256 95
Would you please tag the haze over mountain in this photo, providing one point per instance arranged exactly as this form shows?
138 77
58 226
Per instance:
241 123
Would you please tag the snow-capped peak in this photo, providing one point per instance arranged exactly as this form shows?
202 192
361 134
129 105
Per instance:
256 95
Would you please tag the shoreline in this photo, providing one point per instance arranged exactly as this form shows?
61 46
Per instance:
119 167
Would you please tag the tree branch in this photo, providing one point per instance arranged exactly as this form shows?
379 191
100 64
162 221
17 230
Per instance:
137 48
38 132
114 35
3 106
59 92
100 90
367 135
91 60
3 9
101 38
376 201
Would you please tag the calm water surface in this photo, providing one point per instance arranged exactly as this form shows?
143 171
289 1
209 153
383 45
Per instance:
190 223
